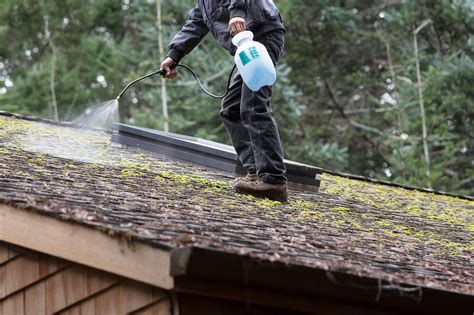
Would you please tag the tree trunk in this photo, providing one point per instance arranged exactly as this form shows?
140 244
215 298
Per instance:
421 101
52 77
164 97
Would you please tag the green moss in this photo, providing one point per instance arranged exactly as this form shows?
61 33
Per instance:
21 173
250 197
126 163
469 247
420 235
130 172
418 205
403 229
382 222
165 174
341 211
389 233
5 151
194 182
302 204
306 210
357 225
455 248
414 210
266 203
160 179
38 161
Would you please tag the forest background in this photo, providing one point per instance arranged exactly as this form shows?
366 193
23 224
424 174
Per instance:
381 88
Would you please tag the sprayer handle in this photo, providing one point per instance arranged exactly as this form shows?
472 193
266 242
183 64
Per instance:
162 71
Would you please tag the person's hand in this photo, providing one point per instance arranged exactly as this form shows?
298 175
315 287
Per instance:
236 25
170 66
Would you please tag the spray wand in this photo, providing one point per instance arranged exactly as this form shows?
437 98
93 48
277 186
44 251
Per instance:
162 72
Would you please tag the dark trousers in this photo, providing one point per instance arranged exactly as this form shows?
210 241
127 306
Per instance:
247 117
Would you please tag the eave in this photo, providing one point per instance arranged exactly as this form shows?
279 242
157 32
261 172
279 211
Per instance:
302 288
86 246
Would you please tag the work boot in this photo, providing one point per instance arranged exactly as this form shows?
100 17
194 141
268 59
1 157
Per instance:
259 188
246 178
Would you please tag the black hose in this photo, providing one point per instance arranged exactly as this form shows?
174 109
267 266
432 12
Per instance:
162 72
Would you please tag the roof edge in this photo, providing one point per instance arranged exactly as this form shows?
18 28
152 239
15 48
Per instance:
86 246
207 266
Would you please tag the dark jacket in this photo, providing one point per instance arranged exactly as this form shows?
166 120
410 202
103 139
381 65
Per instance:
261 16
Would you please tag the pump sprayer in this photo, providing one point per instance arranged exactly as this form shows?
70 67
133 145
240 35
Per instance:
253 61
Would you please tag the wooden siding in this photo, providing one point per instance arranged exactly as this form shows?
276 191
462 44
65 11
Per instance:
86 246
33 283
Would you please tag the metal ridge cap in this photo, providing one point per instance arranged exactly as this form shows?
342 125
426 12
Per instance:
185 138
186 142
195 141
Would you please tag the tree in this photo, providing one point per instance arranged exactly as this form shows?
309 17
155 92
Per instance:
347 96
357 71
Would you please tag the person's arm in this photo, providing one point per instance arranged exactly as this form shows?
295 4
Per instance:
238 8
237 13
188 37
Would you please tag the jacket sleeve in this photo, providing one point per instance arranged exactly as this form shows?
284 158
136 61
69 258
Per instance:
238 8
189 36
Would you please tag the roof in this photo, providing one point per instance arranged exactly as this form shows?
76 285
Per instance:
365 229
207 153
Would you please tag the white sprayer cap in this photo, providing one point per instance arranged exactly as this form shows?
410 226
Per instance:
241 36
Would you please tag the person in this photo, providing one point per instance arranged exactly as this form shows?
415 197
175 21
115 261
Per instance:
247 115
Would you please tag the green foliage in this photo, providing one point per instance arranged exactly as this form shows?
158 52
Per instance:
346 96
356 68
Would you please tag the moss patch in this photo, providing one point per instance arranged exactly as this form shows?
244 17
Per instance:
409 216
